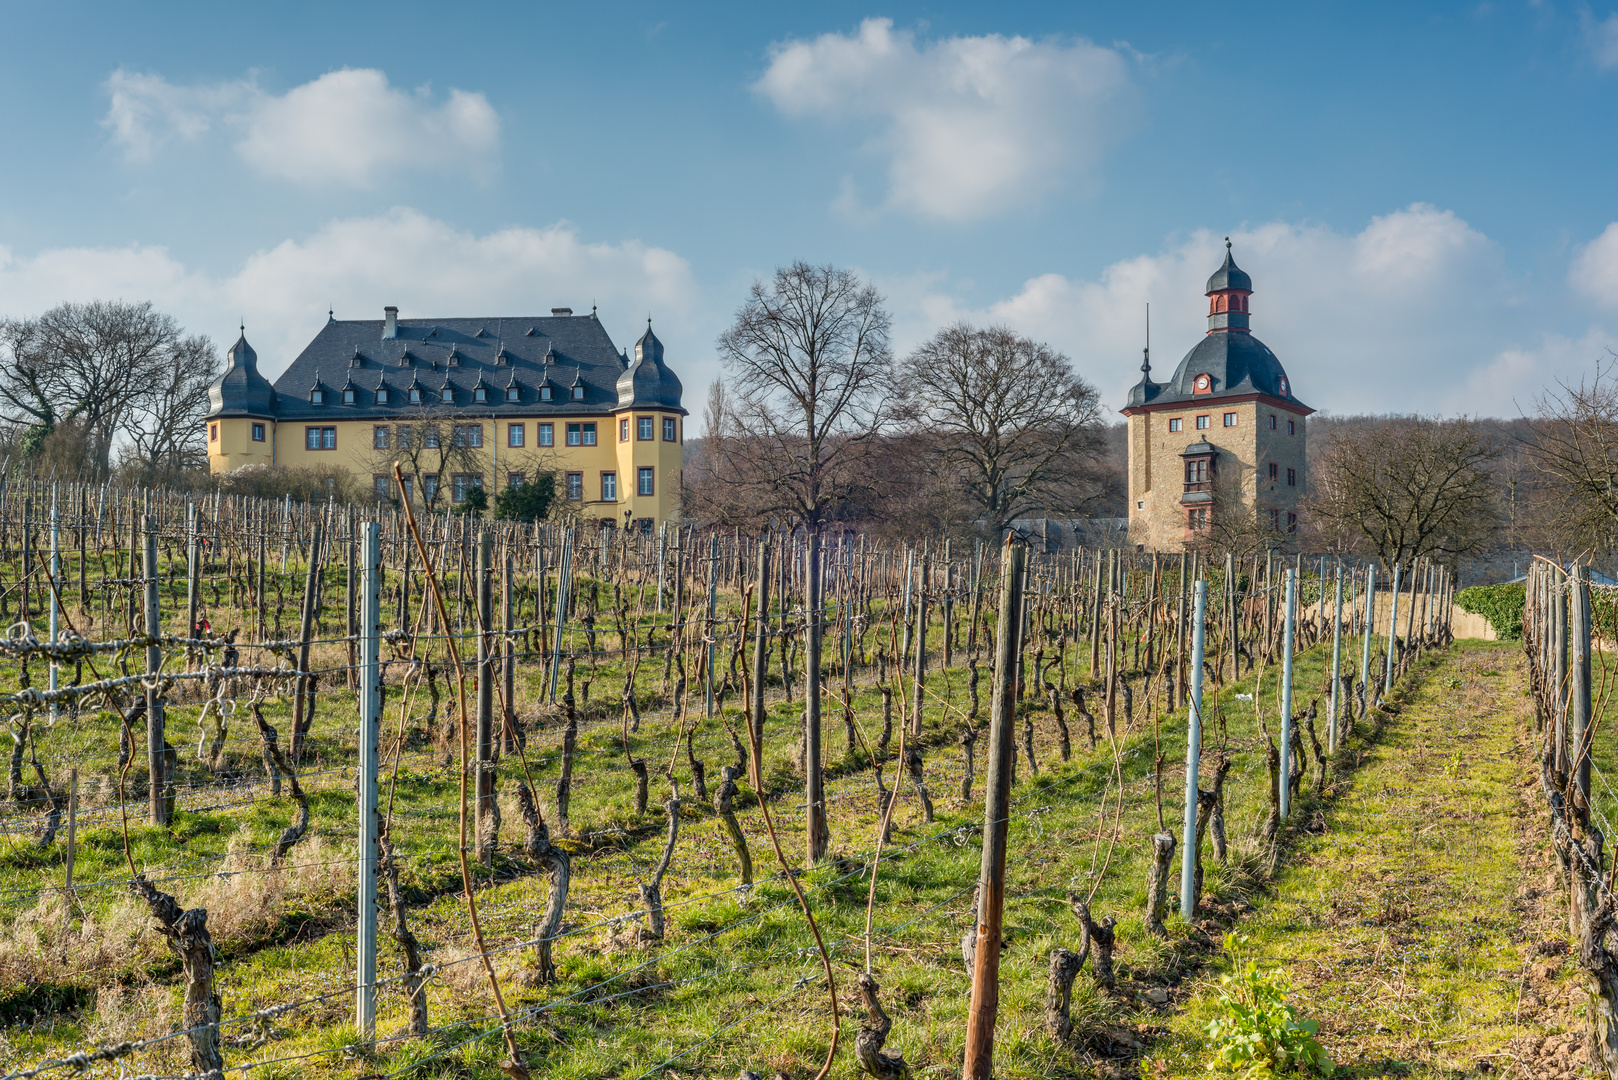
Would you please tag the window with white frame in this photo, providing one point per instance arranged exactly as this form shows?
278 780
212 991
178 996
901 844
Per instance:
609 487
644 426
670 430
514 434
575 486
645 481
379 437
320 438
547 434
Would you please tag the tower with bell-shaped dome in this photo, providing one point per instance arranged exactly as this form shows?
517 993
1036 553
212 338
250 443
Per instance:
1217 453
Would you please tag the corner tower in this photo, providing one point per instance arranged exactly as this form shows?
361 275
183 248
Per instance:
1217 453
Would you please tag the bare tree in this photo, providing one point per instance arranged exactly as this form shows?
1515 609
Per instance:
1574 446
166 426
1015 425
810 361
1412 486
96 363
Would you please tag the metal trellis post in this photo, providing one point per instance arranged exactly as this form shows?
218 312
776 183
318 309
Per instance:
370 735
1193 758
1286 690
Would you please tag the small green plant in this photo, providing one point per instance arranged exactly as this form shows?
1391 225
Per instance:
1260 1035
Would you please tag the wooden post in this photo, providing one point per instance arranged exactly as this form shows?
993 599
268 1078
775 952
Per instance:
996 807
193 578
156 759
508 657
302 704
72 835
487 809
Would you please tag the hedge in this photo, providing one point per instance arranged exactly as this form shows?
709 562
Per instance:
1501 604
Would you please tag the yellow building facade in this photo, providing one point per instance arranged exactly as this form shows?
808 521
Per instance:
1219 451
458 403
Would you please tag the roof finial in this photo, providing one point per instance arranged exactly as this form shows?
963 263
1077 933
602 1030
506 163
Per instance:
1227 244
1146 353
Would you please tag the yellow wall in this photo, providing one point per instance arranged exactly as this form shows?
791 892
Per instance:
356 452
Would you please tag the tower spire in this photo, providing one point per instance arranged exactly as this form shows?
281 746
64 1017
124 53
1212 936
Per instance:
1146 353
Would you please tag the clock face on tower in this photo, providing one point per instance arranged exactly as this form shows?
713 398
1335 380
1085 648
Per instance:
1202 384
1283 386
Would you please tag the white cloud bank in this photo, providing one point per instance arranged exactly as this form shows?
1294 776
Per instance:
347 128
425 266
1416 312
1600 38
970 126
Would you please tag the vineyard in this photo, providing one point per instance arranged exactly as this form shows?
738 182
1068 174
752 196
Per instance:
332 790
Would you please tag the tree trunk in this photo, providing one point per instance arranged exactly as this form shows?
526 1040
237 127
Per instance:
187 935
1157 882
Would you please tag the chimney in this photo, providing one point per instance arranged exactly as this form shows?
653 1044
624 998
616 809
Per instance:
390 322
561 311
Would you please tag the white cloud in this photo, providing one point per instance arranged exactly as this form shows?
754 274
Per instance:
970 126
1601 38
1416 312
1594 272
348 127
424 266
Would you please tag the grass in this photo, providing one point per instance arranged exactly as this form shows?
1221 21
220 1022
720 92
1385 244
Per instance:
734 984
1400 920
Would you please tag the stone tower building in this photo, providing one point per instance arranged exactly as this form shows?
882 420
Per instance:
1218 450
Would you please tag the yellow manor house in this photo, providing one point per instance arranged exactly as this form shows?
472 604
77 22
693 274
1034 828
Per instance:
461 403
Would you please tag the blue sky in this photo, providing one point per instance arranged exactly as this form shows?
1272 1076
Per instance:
1425 196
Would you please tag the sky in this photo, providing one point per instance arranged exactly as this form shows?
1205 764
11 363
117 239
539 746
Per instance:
1426 196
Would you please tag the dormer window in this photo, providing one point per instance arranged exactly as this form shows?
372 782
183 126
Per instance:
502 358
578 393
349 396
545 393
480 393
1202 385
530 332
356 359
447 395
317 396
481 333
454 358
415 395
382 395
513 394
1283 386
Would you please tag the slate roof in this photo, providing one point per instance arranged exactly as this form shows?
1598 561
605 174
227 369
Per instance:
527 352
1229 276
1236 362
240 390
